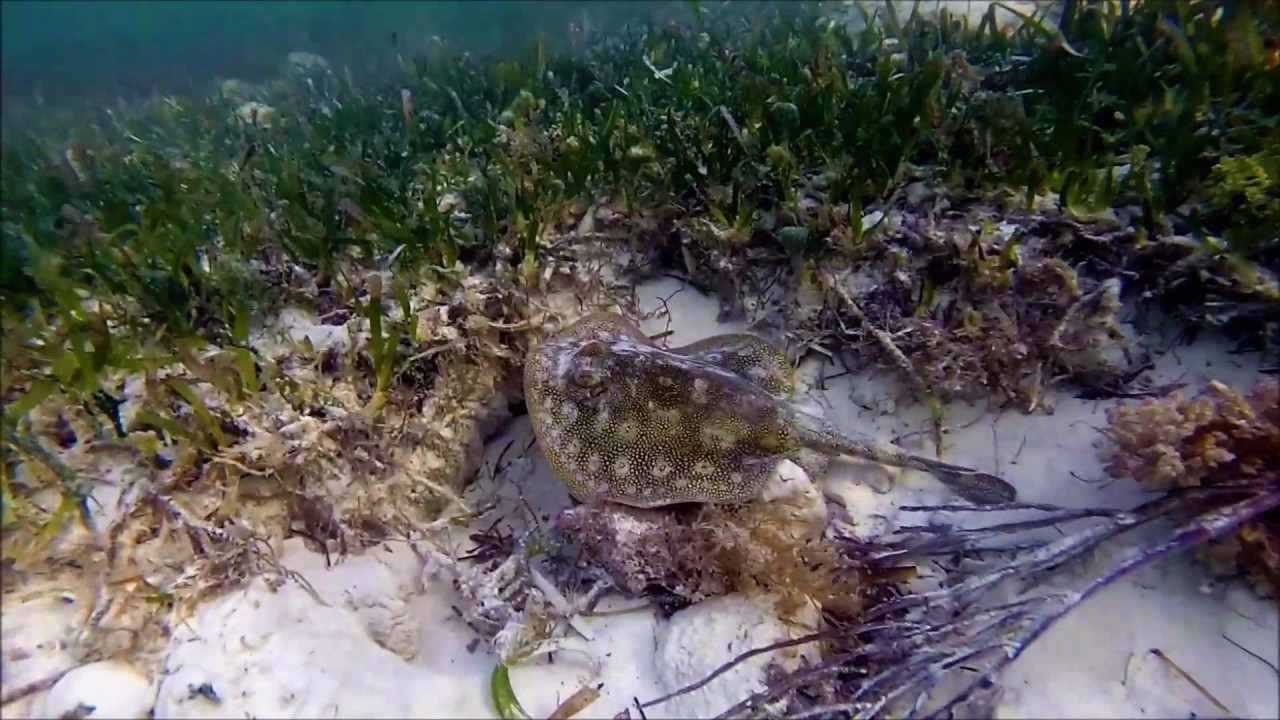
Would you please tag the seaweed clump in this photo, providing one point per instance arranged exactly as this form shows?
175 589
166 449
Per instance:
998 313
1219 437
678 558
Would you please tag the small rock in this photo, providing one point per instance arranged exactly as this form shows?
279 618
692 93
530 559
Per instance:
791 491
917 193
698 639
307 61
256 113
107 689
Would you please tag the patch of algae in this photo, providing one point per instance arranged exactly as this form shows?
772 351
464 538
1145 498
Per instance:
170 524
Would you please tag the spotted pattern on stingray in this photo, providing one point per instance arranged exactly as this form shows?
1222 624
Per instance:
622 419
619 416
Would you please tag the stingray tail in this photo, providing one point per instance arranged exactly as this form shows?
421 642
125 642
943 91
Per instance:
977 487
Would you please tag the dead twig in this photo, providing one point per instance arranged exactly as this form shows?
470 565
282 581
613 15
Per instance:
32 688
901 650
1192 681
850 305
1274 668
1198 529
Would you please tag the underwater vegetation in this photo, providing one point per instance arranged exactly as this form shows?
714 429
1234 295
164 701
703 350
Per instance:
968 206
1219 437
1168 109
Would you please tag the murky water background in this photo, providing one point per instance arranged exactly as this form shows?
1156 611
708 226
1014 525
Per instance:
118 48
53 50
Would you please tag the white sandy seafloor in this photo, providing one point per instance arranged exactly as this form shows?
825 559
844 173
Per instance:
380 636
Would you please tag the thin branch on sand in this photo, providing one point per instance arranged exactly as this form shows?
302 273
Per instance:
902 654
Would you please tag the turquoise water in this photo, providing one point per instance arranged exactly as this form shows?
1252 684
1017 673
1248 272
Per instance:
114 48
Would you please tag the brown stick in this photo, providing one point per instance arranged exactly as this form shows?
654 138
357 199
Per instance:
32 687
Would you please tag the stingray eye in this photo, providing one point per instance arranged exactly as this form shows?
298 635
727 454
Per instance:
587 377
588 372
594 349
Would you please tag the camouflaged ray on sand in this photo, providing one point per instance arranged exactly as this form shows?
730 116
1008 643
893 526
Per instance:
623 419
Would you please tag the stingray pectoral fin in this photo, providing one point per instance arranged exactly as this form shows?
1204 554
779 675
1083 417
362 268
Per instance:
746 480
